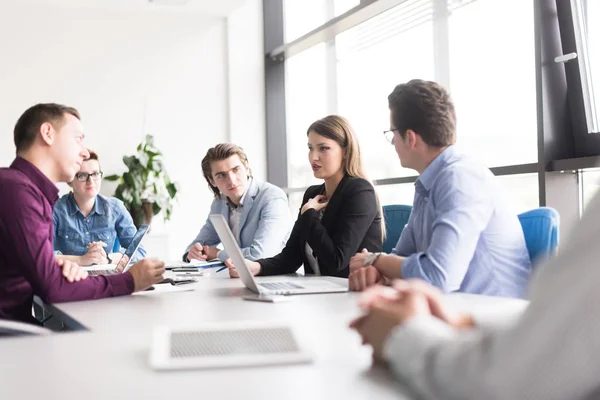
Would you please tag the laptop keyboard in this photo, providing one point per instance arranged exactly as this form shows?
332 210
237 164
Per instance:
99 272
233 342
280 285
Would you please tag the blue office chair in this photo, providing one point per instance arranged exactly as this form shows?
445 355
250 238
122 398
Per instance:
396 218
116 246
540 227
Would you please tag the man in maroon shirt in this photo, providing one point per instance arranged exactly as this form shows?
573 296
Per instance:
49 142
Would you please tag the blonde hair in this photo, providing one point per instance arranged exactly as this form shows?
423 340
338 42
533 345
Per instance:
338 129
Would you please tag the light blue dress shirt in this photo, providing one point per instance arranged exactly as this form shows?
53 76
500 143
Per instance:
108 220
462 236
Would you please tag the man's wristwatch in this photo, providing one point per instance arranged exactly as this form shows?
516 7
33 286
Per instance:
371 258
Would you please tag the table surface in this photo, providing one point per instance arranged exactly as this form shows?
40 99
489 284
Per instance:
111 358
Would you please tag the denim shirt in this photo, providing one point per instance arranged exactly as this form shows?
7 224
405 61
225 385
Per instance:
108 220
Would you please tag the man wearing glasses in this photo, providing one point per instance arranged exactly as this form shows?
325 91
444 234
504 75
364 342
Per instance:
87 224
462 235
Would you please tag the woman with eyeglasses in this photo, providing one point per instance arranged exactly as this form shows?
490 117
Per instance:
87 224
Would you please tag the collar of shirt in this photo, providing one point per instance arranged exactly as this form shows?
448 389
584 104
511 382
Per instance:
427 178
73 208
241 204
47 187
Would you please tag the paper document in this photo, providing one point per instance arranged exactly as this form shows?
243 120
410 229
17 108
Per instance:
164 288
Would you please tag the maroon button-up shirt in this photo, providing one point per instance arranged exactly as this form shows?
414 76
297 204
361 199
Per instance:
27 263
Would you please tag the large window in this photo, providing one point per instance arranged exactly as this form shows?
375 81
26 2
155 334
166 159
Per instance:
306 101
590 185
489 69
347 56
492 80
372 58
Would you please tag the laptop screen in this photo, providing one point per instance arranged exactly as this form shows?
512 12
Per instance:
135 242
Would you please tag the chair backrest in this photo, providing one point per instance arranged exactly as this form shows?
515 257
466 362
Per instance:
13 328
540 227
396 217
117 245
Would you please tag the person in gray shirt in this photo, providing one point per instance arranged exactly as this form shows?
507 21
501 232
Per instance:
257 212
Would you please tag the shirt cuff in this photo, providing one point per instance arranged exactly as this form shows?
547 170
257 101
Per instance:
407 345
222 255
121 284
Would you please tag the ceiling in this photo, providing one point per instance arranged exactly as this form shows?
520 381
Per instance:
220 8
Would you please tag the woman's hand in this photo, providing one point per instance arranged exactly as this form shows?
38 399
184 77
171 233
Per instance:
253 265
318 202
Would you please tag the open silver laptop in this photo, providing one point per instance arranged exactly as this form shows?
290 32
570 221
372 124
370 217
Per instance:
281 285
111 269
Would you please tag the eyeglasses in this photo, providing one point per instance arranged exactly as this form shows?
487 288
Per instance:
83 177
389 134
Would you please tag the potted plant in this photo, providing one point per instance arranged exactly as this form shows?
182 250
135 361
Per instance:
146 188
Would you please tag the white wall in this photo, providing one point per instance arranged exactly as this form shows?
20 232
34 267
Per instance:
130 74
247 84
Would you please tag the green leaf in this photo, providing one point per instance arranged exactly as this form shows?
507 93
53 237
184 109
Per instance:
156 208
157 166
131 162
130 181
149 140
152 154
112 178
144 159
172 189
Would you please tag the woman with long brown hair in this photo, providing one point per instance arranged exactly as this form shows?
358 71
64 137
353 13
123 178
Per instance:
338 218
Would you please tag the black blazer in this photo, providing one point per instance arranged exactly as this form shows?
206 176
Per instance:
351 222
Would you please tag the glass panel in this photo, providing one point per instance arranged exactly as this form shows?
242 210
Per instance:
521 191
591 185
373 58
302 16
402 193
593 41
306 101
341 6
492 80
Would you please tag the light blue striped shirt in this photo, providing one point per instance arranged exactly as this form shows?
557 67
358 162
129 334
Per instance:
461 235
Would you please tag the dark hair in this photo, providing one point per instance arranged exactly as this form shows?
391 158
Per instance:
426 108
221 152
93 156
28 126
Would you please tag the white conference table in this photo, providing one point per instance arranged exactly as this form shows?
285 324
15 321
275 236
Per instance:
110 359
